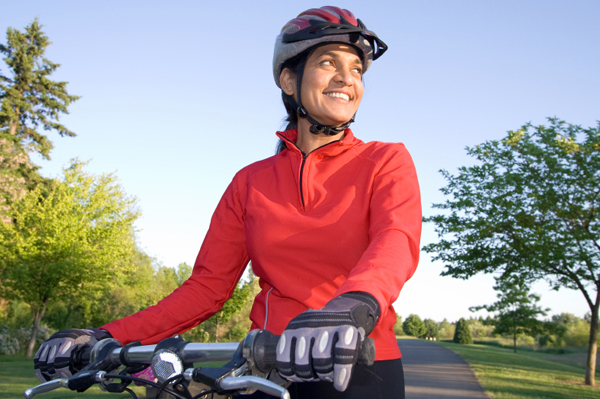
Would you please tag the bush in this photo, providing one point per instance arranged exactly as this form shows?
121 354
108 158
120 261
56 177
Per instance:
462 334
479 329
9 344
15 340
578 333
414 326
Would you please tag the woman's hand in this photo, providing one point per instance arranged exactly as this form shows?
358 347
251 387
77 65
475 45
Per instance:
323 344
56 356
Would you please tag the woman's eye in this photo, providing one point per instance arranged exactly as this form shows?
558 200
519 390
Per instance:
327 62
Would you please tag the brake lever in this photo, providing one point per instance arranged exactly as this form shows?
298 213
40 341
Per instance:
254 383
46 387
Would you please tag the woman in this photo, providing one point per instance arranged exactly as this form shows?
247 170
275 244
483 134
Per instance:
331 224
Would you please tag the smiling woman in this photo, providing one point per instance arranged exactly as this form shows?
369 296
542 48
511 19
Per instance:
332 89
331 224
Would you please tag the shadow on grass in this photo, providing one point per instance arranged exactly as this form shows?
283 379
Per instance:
505 374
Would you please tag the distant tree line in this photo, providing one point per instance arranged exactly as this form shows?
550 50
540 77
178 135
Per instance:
557 331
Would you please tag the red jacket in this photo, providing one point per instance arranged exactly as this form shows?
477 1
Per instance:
347 217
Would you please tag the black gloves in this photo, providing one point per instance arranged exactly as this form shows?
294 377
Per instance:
56 356
323 344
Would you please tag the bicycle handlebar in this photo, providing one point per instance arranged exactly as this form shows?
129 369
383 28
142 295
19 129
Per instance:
256 353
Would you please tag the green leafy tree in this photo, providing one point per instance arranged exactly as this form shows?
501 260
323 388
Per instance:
462 333
414 326
516 310
431 329
446 329
67 244
232 321
529 208
29 101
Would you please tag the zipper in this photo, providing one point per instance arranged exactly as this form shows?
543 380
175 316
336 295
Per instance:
304 156
301 173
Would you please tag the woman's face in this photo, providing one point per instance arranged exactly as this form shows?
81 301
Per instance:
332 84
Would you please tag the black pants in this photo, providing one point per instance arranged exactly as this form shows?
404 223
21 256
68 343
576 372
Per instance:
383 380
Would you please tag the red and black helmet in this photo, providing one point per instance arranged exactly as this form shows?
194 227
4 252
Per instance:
323 25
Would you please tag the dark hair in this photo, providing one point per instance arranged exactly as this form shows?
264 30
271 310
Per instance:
293 64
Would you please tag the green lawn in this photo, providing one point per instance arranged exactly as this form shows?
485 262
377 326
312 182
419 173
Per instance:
16 375
527 374
502 373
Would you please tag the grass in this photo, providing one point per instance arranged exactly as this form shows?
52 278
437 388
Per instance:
508 375
16 375
502 373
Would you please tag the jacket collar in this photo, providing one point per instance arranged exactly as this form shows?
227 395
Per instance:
289 137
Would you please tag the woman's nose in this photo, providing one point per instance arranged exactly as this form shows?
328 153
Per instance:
344 76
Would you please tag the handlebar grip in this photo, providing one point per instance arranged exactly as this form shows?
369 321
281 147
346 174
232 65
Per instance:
81 358
265 351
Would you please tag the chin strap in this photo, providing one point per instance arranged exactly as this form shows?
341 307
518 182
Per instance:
316 127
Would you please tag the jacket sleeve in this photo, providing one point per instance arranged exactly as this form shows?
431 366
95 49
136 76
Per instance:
218 268
394 232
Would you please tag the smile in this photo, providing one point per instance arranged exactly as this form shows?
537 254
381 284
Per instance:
339 95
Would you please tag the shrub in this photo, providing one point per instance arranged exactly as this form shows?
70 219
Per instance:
479 329
15 340
578 333
9 344
462 334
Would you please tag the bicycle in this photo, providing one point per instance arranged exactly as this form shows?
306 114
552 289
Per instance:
251 367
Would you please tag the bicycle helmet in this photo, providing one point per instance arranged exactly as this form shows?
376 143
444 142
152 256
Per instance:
319 26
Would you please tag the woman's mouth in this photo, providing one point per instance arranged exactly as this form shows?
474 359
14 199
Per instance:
343 96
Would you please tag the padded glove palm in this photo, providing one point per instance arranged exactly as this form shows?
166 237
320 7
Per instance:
56 356
323 344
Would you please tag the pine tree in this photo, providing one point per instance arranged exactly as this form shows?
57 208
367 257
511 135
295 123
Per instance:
29 101
462 334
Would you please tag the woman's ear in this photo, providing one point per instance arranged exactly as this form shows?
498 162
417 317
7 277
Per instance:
287 81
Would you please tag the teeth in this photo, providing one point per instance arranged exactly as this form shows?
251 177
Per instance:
339 95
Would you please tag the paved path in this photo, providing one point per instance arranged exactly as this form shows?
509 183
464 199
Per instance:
434 372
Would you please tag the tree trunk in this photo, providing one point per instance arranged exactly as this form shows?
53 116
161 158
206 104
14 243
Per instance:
37 317
590 372
515 342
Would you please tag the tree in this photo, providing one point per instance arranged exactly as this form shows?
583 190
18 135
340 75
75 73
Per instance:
232 321
29 100
529 209
414 326
516 310
431 329
69 243
462 333
446 329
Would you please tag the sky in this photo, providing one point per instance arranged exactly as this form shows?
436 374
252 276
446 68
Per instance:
177 96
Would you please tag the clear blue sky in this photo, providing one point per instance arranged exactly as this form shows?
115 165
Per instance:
177 96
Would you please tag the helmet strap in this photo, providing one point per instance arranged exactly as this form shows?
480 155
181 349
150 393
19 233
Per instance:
316 127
